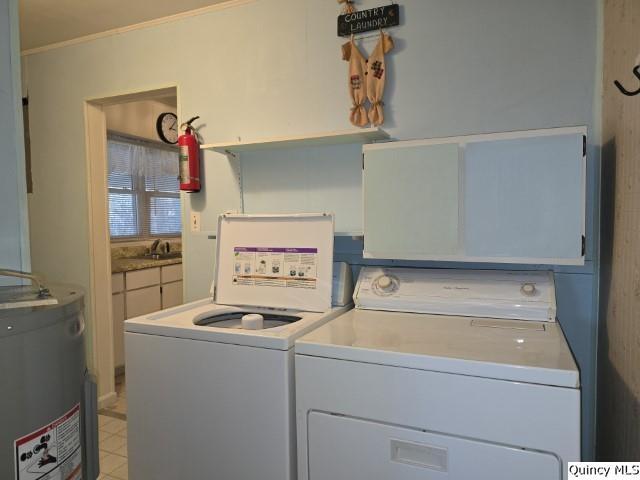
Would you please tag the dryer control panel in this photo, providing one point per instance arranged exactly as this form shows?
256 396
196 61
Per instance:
476 293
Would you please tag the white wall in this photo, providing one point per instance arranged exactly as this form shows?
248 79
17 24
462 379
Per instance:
137 118
14 235
273 68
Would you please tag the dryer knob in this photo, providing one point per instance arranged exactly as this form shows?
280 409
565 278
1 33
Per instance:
384 282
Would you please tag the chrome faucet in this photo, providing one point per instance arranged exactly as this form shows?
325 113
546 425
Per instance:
154 246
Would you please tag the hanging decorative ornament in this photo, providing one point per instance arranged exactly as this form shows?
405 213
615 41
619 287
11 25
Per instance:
367 75
367 78
357 83
349 7
376 77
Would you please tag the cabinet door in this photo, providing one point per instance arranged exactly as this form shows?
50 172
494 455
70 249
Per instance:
143 301
411 196
524 199
117 301
517 197
171 294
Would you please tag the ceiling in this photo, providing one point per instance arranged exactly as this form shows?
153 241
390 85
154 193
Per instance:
43 22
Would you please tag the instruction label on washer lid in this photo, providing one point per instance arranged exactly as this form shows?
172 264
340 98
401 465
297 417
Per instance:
275 267
52 452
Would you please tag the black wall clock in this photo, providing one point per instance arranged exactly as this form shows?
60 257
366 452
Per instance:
167 127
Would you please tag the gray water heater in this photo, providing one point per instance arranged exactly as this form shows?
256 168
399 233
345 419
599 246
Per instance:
48 418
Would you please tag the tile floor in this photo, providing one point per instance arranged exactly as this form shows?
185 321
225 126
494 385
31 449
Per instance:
112 426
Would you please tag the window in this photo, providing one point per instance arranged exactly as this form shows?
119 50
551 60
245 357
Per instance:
144 198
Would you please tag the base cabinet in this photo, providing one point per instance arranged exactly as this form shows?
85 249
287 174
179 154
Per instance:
141 292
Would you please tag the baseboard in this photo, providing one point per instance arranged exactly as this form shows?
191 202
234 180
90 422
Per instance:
107 400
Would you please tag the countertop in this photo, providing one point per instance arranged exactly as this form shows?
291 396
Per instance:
124 264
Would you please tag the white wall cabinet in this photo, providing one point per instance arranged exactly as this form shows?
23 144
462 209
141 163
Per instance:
515 197
140 292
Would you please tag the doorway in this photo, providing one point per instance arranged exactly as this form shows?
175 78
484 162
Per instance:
135 234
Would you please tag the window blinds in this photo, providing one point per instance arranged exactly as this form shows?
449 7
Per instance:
144 198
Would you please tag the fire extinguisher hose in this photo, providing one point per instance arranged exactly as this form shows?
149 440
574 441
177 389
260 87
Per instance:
187 125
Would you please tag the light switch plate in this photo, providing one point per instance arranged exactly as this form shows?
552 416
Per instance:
195 221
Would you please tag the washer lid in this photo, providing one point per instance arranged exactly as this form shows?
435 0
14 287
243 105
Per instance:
278 261
474 293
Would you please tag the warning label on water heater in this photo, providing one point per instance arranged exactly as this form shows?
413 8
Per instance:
275 266
52 452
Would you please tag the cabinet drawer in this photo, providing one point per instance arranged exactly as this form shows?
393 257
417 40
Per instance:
172 273
143 278
171 294
117 282
143 301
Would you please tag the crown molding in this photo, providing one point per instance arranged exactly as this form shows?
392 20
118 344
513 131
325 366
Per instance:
137 26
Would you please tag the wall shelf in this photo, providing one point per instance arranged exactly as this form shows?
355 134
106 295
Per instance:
342 137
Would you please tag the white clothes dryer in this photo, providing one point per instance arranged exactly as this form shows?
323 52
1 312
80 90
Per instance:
210 384
439 374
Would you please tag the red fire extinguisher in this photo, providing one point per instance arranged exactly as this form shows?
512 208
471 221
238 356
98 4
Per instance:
189 158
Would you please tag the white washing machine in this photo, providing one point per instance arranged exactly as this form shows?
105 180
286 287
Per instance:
210 384
439 374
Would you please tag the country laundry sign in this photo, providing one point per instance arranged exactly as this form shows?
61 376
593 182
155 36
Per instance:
368 20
